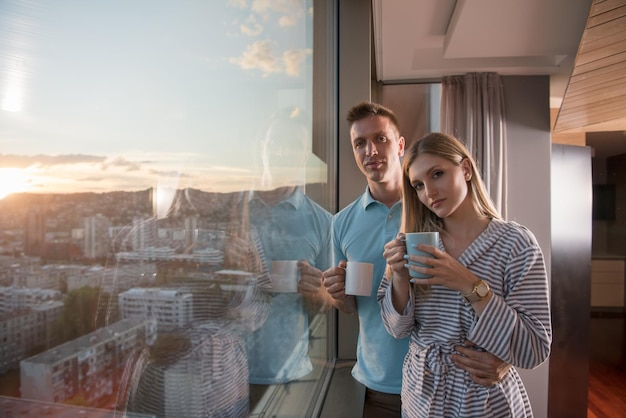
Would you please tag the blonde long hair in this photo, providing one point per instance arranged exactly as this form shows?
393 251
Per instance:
415 216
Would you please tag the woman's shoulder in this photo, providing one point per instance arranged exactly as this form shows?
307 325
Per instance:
514 231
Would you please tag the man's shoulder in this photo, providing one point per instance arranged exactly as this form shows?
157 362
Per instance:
350 209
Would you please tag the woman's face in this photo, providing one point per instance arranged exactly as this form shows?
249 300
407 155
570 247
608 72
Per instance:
440 184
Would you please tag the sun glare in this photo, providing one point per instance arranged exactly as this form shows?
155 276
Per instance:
12 101
12 180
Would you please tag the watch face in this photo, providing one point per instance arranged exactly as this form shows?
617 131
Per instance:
482 289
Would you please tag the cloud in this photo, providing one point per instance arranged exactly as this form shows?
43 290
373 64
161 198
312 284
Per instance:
240 4
90 173
286 21
293 60
170 173
25 161
259 55
251 27
120 162
92 179
230 170
291 11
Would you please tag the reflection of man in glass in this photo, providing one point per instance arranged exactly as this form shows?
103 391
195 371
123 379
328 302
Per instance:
290 226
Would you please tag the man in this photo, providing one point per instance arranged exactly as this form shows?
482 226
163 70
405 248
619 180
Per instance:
284 224
360 232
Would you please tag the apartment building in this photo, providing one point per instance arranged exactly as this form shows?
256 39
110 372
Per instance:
172 308
35 232
13 298
90 276
116 278
168 254
26 329
97 239
90 366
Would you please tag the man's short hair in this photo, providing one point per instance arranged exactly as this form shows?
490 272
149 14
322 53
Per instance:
364 110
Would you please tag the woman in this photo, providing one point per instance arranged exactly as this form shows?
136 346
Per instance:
488 289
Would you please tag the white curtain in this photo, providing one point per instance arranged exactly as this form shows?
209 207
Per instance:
472 109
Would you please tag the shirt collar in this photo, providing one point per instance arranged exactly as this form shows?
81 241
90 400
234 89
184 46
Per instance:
367 199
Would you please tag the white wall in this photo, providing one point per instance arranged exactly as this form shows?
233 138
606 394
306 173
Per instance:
528 158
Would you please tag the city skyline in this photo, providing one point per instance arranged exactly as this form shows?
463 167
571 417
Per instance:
75 268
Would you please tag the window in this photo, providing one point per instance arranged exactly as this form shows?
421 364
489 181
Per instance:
169 146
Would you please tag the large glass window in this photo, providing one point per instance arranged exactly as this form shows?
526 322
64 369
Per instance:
164 206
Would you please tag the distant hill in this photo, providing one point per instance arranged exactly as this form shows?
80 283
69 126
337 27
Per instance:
63 212
66 211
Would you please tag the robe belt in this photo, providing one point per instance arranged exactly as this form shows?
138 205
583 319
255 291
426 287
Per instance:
433 362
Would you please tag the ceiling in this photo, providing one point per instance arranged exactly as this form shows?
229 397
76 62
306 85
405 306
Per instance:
418 40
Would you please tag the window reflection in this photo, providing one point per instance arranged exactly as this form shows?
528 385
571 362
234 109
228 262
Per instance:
159 175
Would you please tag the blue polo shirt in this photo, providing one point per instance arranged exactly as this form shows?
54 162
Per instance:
296 228
360 232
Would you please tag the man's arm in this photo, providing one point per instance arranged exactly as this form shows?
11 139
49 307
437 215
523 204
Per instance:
484 368
335 283
311 287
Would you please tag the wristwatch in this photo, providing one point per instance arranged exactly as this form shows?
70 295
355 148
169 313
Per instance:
481 290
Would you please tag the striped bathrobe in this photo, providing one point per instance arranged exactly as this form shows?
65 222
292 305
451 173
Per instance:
515 326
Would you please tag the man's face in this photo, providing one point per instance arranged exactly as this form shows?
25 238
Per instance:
377 148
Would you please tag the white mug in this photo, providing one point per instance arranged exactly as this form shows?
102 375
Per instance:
359 278
285 276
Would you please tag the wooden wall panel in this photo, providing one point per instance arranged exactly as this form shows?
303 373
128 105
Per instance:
595 98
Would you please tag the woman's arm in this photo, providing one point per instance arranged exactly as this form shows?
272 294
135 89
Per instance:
516 326
395 296
397 324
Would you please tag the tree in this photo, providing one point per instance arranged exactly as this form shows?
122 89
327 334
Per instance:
80 314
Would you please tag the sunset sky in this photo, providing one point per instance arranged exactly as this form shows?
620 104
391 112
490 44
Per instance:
125 95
